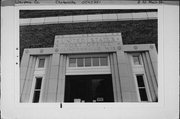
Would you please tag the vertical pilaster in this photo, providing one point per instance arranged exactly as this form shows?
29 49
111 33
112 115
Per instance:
127 83
61 82
28 79
63 78
149 77
117 78
46 79
152 72
154 59
23 70
53 79
115 90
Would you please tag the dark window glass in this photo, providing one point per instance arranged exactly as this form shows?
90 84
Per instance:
72 62
95 61
36 96
136 60
89 88
41 63
143 94
80 62
142 88
140 81
37 90
103 61
87 61
38 83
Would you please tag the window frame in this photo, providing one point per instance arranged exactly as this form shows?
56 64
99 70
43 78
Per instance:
39 59
36 90
37 62
33 88
145 85
137 55
75 62
38 73
139 72
88 56
88 69
90 62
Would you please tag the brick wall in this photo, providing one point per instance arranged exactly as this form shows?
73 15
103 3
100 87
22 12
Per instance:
133 32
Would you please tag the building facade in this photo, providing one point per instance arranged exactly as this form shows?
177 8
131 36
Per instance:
91 67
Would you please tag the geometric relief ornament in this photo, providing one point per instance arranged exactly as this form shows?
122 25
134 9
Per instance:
26 51
151 46
135 47
41 50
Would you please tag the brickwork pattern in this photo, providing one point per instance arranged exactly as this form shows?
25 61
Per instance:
133 32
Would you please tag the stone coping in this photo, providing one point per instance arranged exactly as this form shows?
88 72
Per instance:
89 18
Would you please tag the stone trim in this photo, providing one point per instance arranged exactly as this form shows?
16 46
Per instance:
89 18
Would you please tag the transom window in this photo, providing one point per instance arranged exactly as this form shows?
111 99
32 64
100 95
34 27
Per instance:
136 60
88 61
41 62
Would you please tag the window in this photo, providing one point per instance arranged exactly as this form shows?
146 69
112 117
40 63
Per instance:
37 90
41 62
72 62
95 61
141 88
39 73
103 61
88 61
139 73
80 62
136 60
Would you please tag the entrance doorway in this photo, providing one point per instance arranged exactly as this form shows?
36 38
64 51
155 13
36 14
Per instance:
89 88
